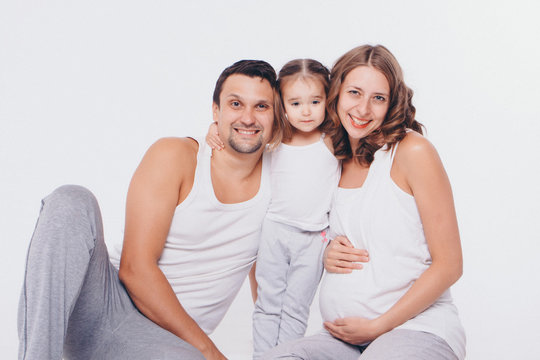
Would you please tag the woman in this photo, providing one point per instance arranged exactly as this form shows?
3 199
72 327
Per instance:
394 200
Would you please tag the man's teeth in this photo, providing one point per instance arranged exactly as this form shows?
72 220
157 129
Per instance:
247 132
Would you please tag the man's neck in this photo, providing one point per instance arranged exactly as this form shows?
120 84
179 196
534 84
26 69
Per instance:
236 177
237 165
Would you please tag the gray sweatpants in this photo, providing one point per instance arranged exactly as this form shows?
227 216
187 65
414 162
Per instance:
398 344
289 268
72 303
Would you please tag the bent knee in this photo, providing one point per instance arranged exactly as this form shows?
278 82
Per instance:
70 195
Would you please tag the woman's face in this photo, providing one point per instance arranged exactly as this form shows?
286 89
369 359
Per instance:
363 102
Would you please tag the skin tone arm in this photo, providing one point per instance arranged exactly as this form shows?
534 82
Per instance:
213 139
417 170
163 179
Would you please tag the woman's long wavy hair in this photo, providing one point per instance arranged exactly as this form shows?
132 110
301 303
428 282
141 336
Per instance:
400 114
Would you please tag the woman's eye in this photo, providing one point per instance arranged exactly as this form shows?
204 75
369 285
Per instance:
354 92
380 98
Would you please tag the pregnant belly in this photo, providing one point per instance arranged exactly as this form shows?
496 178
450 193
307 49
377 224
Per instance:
359 294
342 295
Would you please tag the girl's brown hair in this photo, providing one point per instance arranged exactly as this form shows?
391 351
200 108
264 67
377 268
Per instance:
400 114
303 69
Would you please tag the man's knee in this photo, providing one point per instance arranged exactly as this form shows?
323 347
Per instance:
72 200
71 194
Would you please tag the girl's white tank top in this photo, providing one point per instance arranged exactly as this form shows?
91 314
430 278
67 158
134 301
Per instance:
304 179
382 218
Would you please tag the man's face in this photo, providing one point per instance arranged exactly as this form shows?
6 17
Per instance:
246 113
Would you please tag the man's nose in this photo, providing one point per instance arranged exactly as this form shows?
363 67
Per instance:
248 116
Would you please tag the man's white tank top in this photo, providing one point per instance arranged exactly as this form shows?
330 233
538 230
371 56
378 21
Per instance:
304 179
211 245
382 218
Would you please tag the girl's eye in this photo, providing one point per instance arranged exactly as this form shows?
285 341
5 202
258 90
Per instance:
316 102
296 103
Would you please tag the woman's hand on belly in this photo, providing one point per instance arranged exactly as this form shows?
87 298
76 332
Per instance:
355 330
340 256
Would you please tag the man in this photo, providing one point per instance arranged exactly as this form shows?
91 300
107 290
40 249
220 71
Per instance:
191 236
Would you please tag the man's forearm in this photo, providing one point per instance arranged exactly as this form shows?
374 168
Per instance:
152 294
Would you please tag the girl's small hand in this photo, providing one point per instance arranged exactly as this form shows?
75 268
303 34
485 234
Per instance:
341 257
354 330
213 139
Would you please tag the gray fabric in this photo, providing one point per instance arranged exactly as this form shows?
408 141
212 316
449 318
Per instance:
398 344
321 346
72 302
289 268
402 344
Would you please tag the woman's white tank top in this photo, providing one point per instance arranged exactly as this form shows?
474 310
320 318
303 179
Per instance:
304 179
211 246
383 219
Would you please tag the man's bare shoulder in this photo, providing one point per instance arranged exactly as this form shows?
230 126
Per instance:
174 155
175 146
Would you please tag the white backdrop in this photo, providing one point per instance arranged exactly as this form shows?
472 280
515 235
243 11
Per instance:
86 87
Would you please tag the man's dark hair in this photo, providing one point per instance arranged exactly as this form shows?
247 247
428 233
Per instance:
251 68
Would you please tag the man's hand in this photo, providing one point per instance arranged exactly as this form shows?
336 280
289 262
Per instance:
354 330
213 354
342 257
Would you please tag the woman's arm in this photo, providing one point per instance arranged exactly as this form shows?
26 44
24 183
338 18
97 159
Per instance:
418 170
341 257
162 180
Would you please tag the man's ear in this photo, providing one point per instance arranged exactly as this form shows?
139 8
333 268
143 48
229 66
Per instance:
215 111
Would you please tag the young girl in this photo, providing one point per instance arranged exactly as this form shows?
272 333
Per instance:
304 174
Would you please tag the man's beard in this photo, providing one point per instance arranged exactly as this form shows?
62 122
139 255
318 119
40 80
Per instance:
245 148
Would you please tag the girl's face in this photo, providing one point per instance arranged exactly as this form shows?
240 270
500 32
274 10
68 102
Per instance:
304 100
363 102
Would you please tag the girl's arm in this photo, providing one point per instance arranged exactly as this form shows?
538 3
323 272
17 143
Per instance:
162 180
418 170
213 139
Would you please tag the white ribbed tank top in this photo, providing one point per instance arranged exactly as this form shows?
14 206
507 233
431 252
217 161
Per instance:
304 179
383 219
211 246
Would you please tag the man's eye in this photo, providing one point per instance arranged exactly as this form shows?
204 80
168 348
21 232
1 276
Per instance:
235 103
